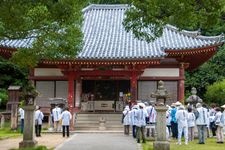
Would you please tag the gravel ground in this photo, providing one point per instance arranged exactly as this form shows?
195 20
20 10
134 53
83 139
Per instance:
49 140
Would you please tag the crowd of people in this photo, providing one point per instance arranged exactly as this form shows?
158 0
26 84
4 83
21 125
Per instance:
60 118
180 121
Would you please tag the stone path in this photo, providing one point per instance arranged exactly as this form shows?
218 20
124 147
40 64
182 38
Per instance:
99 141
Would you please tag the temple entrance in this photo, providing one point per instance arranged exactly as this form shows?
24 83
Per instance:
104 95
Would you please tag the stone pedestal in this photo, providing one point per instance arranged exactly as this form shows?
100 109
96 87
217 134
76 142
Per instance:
161 142
102 123
28 133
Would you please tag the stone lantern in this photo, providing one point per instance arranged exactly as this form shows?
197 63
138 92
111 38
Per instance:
161 95
194 98
30 105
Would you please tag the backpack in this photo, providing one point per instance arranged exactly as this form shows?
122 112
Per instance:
196 115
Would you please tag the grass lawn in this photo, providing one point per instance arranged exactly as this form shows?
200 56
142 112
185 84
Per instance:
6 132
210 145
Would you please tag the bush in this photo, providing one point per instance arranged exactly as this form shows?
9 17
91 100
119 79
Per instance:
215 93
3 97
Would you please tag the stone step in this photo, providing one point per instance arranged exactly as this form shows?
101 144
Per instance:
99 115
97 121
90 121
97 128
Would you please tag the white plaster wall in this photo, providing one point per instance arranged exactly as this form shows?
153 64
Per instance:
47 72
161 72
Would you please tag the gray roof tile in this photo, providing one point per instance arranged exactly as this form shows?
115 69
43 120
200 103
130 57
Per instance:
106 38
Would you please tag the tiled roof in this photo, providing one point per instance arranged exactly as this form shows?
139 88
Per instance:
106 38
21 43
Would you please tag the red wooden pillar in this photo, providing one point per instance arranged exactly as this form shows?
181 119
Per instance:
181 82
133 87
71 94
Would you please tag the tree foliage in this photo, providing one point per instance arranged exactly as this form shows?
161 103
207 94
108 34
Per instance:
146 18
210 72
215 93
10 74
55 26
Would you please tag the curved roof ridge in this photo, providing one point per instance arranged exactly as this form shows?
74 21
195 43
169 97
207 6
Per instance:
195 34
186 32
105 6
215 38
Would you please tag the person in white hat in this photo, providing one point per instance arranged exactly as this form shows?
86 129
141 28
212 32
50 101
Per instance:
182 117
141 122
201 122
126 120
133 119
178 103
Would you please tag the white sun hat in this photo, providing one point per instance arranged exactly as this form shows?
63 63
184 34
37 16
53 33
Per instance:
142 105
223 106
178 103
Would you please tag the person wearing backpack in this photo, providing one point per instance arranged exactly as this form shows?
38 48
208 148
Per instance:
38 121
219 121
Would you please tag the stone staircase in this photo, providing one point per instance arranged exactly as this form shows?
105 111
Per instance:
98 122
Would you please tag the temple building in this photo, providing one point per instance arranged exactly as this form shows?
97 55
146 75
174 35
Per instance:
114 66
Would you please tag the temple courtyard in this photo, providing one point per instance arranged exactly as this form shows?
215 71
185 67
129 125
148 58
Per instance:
103 141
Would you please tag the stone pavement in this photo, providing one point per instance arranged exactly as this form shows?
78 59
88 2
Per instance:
99 141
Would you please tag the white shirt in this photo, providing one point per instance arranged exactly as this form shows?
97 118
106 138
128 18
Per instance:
21 113
56 113
151 114
182 117
141 117
202 118
219 118
191 119
66 117
126 119
39 116
212 114
133 118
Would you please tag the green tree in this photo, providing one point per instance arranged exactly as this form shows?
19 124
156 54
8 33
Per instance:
210 72
3 97
10 74
215 93
146 18
54 25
